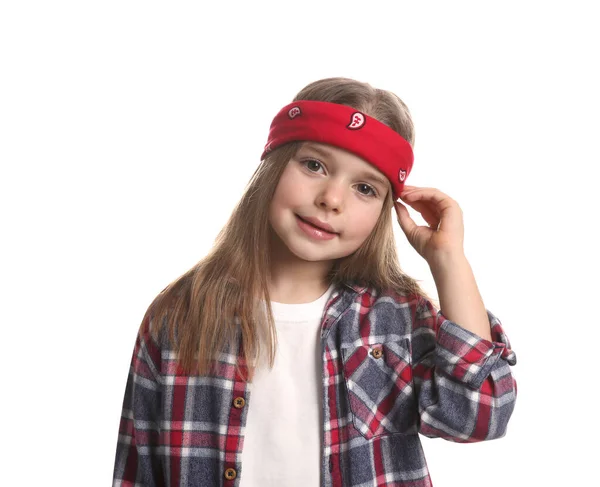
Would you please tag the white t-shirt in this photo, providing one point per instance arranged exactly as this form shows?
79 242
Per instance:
283 435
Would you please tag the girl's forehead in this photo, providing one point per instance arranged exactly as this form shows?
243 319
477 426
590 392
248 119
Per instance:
317 145
328 150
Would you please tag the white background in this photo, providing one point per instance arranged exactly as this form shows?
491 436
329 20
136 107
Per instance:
128 130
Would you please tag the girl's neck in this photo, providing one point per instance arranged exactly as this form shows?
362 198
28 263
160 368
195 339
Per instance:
292 291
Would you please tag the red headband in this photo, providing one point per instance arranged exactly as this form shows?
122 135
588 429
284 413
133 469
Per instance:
345 127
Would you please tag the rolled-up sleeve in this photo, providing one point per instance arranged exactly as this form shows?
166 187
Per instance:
465 389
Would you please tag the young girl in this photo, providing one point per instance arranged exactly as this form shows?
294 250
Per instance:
359 359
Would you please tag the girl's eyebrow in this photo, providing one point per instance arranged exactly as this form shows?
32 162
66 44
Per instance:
365 174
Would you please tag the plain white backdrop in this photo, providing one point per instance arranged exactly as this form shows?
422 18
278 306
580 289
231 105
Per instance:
128 131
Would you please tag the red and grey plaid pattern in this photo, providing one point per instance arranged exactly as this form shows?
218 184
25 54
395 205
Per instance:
393 368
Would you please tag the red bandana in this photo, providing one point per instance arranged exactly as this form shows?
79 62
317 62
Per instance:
345 127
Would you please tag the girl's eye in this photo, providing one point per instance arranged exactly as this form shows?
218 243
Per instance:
311 160
373 192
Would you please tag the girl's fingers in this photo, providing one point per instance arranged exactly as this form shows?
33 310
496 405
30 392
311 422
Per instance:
439 200
428 213
426 208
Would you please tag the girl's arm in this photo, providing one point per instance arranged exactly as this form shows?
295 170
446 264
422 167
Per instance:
459 296
460 360
137 459
465 389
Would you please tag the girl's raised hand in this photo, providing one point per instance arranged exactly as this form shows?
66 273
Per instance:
445 233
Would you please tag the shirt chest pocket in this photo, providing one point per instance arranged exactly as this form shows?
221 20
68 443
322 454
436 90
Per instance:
380 388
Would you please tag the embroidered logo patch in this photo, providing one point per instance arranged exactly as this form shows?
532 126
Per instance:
402 175
294 112
357 121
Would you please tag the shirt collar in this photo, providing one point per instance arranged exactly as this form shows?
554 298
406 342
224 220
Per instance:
355 287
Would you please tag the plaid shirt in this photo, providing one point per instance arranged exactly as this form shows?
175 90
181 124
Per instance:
393 367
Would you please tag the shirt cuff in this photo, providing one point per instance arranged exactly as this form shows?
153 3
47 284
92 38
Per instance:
466 356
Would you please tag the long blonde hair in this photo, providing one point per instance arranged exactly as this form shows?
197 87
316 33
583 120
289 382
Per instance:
210 305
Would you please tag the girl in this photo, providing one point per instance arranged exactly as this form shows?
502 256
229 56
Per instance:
359 359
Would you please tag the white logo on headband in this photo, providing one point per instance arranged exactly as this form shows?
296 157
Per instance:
402 175
357 120
293 112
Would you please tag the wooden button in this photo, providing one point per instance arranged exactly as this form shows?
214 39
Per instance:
230 474
239 402
377 352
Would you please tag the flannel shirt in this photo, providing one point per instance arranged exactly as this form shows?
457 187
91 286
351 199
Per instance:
393 368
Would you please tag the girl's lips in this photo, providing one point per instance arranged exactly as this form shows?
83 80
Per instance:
315 224
313 231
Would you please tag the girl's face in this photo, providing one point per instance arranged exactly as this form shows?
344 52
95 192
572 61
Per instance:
337 187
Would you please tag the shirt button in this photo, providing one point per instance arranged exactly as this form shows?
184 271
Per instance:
377 352
239 402
230 474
